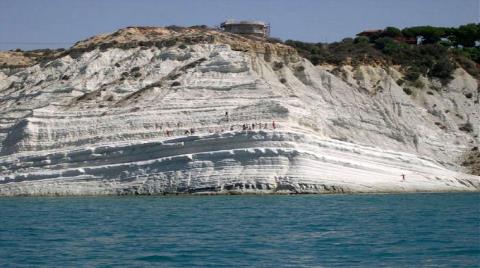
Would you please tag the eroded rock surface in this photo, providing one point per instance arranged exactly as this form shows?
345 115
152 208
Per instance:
136 113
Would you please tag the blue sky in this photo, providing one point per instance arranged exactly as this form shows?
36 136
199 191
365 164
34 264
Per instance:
30 24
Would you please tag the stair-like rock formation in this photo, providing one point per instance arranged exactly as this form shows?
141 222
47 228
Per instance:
155 110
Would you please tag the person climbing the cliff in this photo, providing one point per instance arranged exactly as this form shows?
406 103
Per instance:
227 117
273 125
403 177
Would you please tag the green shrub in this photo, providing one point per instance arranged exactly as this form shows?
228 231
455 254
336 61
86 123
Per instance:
277 65
412 74
443 69
472 53
418 83
446 43
199 27
392 32
315 59
361 40
274 40
381 43
468 65
407 91
300 68
28 54
393 48
467 127
175 28
170 42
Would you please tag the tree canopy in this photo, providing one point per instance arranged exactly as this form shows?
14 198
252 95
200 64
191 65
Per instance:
465 35
440 51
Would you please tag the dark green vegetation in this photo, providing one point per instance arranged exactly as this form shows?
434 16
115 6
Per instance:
424 50
471 160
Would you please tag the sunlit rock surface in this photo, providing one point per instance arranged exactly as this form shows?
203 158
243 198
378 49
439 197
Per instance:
225 114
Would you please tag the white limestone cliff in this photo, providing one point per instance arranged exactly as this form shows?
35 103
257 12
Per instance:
117 120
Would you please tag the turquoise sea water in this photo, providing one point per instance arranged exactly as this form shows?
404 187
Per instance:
410 230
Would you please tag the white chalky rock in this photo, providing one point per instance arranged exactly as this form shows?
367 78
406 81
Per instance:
98 125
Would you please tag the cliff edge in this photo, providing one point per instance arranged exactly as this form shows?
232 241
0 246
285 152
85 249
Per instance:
149 110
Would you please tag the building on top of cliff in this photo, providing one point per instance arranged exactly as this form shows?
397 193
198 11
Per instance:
248 27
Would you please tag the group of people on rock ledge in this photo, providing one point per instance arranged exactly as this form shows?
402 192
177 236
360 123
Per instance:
256 125
245 127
